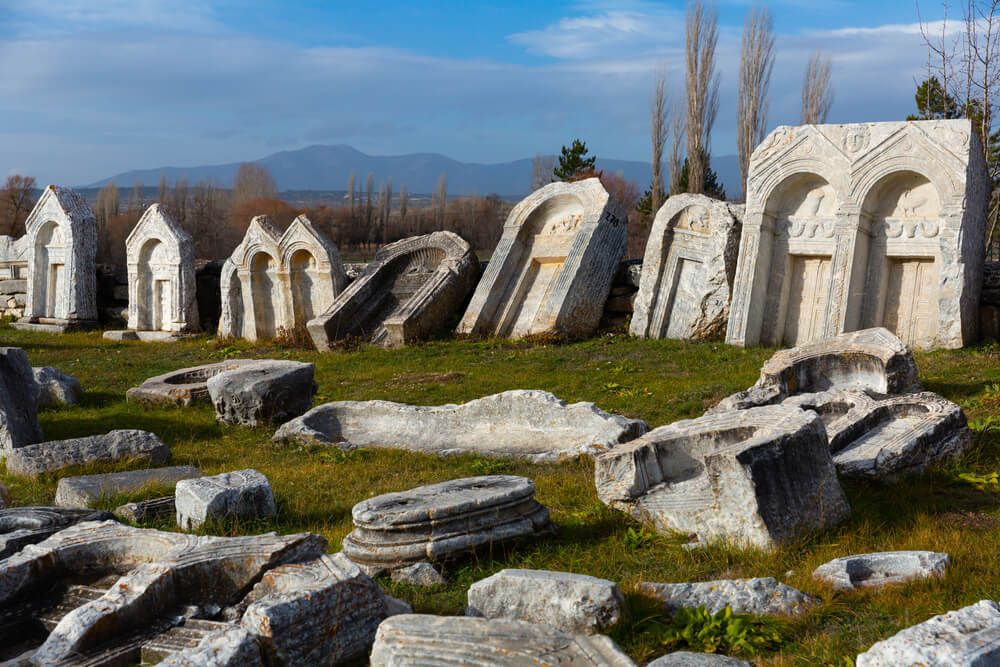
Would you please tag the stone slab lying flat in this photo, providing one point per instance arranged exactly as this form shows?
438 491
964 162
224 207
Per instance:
265 392
242 494
528 424
21 526
122 445
686 659
83 490
147 336
760 596
56 387
18 407
436 522
574 603
411 640
968 636
881 569
183 386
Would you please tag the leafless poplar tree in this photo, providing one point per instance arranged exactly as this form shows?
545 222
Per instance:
387 207
253 181
756 63
541 170
702 88
403 196
817 91
441 197
350 189
369 186
163 191
178 201
17 197
659 115
676 158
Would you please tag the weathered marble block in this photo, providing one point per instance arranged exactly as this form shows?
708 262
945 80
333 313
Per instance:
968 636
534 425
82 491
56 387
419 574
865 225
244 494
408 292
752 477
881 569
687 269
553 267
573 603
760 596
440 521
268 391
61 243
183 386
122 445
232 647
21 526
276 282
18 406
155 508
411 640
687 659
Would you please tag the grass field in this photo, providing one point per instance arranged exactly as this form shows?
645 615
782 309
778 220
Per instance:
658 381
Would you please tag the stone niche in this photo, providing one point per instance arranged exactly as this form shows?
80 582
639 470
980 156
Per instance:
688 269
61 249
408 292
277 282
552 270
866 225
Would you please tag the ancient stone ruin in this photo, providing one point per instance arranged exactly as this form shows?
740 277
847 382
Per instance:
111 447
552 269
183 386
264 392
881 569
18 400
688 269
13 275
21 526
61 242
406 293
276 282
866 225
759 596
83 490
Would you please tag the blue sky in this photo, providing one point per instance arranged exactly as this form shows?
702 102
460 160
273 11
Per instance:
90 88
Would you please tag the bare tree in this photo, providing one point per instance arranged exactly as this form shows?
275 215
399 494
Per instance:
350 189
253 181
676 158
702 89
756 63
659 114
541 170
16 201
403 196
387 206
178 201
137 200
817 91
441 198
369 187
163 191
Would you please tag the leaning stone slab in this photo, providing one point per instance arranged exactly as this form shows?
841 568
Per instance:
687 269
529 424
553 267
21 526
968 636
416 639
686 659
270 391
320 612
573 603
82 491
242 494
18 407
439 521
755 477
182 387
56 387
881 569
408 292
122 445
763 596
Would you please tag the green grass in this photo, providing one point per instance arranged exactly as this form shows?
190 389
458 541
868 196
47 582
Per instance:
659 381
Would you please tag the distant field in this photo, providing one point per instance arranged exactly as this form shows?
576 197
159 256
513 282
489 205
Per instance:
658 381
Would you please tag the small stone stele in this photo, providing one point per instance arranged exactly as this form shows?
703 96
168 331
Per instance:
244 494
881 569
270 391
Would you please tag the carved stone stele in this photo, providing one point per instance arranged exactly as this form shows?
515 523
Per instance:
61 244
687 269
407 292
866 225
552 269
276 281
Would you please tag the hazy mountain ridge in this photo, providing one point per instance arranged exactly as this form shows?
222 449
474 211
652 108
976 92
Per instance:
329 167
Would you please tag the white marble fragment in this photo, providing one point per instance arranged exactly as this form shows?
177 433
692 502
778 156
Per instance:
56 387
758 596
244 494
121 445
881 569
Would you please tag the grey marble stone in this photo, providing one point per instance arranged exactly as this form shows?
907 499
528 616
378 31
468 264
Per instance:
233 647
528 424
881 569
184 386
21 526
574 603
18 406
242 494
82 491
56 387
4 496
155 508
123 445
269 391
686 659
418 574
759 596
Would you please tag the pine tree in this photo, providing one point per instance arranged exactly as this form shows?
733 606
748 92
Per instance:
573 161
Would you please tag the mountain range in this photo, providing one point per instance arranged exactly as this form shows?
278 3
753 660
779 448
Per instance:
329 167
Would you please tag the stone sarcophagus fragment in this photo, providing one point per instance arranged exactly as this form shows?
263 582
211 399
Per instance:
687 270
61 245
552 270
408 292
276 282
857 226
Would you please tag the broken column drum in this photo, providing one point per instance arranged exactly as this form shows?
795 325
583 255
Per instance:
161 284
61 250
865 225
277 282
553 267
408 292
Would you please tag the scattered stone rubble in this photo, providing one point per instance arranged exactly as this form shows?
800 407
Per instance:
184 386
244 494
763 596
18 400
269 391
533 425
21 526
56 387
83 490
437 522
881 569
122 445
